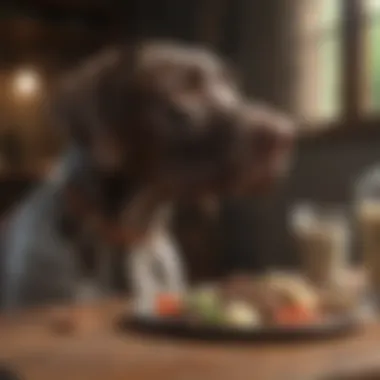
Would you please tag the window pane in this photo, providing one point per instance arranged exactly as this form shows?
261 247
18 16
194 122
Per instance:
372 6
373 35
319 15
320 64
330 78
330 11
320 96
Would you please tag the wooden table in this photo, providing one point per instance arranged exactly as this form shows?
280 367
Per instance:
29 344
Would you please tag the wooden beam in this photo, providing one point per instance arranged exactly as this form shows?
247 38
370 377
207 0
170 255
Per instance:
353 62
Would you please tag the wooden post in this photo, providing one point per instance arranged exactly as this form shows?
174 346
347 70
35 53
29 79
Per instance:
353 59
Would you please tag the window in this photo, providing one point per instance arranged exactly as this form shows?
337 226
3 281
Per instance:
339 46
320 64
372 37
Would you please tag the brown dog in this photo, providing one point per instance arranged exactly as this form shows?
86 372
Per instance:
172 118
149 125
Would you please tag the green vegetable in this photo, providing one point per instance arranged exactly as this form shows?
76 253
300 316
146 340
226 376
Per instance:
206 305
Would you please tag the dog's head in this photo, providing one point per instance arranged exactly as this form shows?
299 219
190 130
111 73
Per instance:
174 116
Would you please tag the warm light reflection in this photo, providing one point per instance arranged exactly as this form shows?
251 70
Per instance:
26 83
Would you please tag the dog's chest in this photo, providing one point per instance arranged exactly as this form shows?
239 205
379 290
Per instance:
102 252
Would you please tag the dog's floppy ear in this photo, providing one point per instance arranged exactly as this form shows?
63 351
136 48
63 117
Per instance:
91 102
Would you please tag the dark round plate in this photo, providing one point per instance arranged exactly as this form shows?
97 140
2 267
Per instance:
333 327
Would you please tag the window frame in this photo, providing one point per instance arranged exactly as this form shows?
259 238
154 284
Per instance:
353 123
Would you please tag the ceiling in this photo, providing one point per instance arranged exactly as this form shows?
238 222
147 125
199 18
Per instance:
72 5
61 9
57 29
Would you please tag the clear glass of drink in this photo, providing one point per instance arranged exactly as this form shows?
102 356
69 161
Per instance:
321 235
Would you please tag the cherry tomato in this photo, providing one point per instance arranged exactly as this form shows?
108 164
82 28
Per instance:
168 305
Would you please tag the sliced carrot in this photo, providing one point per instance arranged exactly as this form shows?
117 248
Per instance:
168 305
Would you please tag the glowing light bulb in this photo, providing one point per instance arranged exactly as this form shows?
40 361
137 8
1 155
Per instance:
26 83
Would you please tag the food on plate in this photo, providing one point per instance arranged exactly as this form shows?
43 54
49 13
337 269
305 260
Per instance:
273 293
205 304
241 314
295 315
294 290
168 305
275 299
